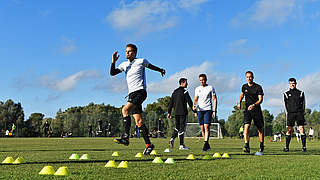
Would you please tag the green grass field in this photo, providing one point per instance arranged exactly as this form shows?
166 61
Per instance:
273 164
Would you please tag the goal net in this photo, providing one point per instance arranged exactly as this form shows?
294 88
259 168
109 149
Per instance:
193 130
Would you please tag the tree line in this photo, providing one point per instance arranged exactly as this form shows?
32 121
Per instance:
106 120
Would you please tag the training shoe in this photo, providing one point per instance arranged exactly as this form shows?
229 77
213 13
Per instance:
246 149
148 150
304 149
171 143
261 148
183 147
286 149
124 141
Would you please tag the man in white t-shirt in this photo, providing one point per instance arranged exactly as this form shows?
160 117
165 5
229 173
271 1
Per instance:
204 94
311 132
136 81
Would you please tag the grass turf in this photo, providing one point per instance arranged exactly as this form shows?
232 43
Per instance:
273 164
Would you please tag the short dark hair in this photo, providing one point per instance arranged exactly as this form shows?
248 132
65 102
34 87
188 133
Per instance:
134 47
203 75
293 80
182 80
250 73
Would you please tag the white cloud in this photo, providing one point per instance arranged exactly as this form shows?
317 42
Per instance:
238 42
310 84
69 82
149 15
68 46
267 12
223 83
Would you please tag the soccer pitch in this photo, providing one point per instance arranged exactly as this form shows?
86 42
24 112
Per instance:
273 164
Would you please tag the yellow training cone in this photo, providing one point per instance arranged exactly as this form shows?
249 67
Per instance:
170 161
111 163
225 155
74 156
47 170
191 157
116 153
217 155
206 157
62 171
157 160
153 152
123 164
138 155
84 157
18 160
8 160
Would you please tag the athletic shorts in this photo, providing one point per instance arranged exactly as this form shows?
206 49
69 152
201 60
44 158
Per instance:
204 117
255 115
295 117
137 98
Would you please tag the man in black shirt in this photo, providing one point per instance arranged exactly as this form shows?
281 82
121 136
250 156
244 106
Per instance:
253 94
179 99
294 102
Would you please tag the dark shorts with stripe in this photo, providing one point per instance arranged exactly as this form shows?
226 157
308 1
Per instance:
137 98
255 115
295 117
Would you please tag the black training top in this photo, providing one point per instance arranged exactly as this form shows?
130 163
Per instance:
294 100
179 99
251 93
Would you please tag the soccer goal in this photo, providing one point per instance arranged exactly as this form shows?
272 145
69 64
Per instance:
193 130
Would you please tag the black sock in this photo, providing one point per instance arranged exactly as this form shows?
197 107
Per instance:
145 134
288 139
247 144
181 136
126 126
174 134
303 140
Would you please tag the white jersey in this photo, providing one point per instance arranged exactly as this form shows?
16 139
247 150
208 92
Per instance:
205 97
311 131
135 74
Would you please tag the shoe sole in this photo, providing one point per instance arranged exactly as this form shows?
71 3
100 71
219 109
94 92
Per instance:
245 150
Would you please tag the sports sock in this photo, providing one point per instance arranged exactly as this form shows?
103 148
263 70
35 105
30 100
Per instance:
126 126
145 134
247 144
288 139
181 137
261 144
303 140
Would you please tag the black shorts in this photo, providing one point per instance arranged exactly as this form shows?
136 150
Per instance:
295 117
137 98
255 115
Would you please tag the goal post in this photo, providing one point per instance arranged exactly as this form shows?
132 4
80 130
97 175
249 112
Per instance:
193 130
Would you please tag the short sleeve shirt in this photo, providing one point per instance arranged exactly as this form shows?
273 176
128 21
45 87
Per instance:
205 97
135 74
251 93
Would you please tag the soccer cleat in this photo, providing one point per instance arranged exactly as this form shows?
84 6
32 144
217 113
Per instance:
304 149
148 150
171 143
261 148
122 141
183 147
286 149
246 149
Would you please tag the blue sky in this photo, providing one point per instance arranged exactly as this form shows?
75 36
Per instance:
57 54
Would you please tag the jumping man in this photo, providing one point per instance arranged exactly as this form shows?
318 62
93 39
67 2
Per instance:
253 94
136 81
